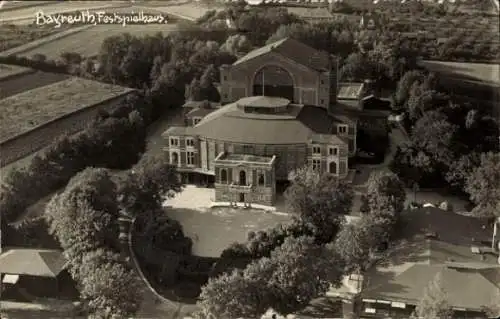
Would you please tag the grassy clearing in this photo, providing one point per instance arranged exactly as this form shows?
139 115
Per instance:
56 7
489 73
25 111
191 10
11 70
214 229
15 35
88 42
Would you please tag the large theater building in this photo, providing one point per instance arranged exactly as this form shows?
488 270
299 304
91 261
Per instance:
282 108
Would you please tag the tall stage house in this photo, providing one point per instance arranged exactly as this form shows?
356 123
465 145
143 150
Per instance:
282 107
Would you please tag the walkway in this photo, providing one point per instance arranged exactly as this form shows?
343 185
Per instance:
153 304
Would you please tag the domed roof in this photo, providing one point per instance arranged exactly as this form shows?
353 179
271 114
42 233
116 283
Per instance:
295 125
263 102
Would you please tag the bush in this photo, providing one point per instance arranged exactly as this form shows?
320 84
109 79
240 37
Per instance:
95 146
36 63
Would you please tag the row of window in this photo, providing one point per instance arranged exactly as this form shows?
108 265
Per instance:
261 180
332 167
174 158
174 142
332 151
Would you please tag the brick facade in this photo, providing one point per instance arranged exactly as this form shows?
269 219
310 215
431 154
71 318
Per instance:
288 157
309 87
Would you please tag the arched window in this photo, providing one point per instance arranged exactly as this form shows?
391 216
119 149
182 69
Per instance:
223 176
332 168
273 80
243 177
175 158
261 180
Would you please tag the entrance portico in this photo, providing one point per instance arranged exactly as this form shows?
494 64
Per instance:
245 179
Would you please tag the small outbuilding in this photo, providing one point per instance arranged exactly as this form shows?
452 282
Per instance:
34 272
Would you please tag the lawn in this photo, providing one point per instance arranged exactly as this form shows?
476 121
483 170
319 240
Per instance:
27 14
25 111
189 10
489 73
15 35
214 229
11 70
88 42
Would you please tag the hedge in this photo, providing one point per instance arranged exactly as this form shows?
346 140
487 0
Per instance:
96 146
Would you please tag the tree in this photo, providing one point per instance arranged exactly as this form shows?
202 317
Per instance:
237 44
357 68
296 272
405 84
483 185
434 134
110 289
385 192
433 303
461 168
85 216
208 90
353 245
303 271
147 185
156 69
195 91
234 295
423 100
319 201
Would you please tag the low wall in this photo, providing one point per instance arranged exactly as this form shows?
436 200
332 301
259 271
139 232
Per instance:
38 138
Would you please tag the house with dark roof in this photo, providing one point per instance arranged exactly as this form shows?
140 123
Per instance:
312 14
454 247
30 273
281 108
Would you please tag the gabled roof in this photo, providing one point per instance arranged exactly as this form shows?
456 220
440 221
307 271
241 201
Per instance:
350 91
32 262
293 50
310 13
465 230
199 112
464 289
410 264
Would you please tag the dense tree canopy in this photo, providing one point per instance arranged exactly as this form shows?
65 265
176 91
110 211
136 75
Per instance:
84 218
320 201
385 192
296 272
483 185
110 287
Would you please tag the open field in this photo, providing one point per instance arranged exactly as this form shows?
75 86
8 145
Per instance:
187 10
214 229
488 73
16 5
25 111
12 70
27 15
16 35
88 42
28 81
